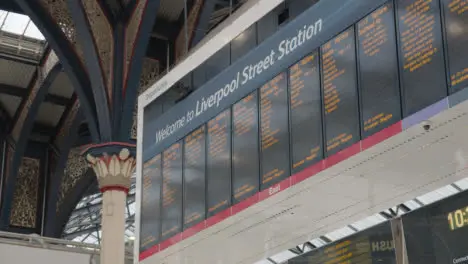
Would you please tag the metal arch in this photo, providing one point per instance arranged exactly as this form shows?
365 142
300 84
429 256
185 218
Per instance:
131 84
68 58
20 141
56 173
203 21
95 71
73 197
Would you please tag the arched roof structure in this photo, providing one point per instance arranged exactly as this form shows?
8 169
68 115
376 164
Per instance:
70 73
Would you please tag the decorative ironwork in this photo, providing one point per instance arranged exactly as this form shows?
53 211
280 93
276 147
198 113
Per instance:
113 170
26 195
75 168
69 119
149 73
102 34
131 32
59 11
192 17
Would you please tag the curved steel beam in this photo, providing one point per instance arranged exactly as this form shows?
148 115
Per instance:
202 21
21 130
131 81
67 134
94 66
68 58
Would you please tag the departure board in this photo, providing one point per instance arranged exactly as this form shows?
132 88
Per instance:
194 177
371 246
150 230
456 19
340 98
219 163
421 54
379 86
245 154
306 112
171 211
274 131
437 234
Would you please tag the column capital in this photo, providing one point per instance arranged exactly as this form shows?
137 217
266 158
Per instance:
113 164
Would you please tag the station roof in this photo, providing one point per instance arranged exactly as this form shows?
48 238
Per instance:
22 50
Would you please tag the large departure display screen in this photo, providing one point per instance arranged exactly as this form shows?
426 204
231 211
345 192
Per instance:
342 77
194 177
274 131
421 54
151 202
379 87
437 234
340 95
372 246
245 154
456 19
171 211
219 163
306 112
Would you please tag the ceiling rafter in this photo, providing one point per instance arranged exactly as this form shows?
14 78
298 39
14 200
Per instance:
23 92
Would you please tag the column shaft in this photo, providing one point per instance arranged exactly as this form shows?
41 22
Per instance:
113 227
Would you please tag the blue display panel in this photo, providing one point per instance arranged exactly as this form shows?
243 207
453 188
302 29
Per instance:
171 211
219 163
339 91
150 233
274 131
456 19
306 112
194 177
245 149
378 82
421 54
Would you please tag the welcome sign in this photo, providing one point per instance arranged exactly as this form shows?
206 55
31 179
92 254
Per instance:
301 36
249 72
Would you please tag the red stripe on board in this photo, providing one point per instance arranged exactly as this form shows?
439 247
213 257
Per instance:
193 230
381 135
169 242
218 217
342 155
307 172
149 252
241 206
274 189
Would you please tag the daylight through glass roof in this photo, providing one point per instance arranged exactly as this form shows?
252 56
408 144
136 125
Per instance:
19 25
84 224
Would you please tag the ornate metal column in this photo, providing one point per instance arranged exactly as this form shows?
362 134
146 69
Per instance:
113 164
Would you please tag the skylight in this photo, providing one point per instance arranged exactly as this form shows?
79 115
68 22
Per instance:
20 25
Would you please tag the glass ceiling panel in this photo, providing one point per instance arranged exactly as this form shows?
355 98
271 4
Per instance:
19 24
33 32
